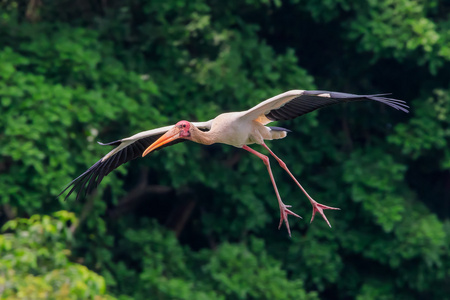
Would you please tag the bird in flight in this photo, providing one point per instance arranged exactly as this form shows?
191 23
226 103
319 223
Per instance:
238 129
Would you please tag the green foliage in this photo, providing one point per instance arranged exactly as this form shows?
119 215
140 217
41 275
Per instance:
402 26
428 130
58 88
34 261
171 271
250 273
74 72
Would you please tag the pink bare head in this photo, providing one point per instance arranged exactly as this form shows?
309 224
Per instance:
184 127
181 130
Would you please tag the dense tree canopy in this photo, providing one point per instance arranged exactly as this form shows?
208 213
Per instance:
197 222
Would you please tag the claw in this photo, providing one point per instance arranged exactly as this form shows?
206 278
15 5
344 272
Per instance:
284 212
317 207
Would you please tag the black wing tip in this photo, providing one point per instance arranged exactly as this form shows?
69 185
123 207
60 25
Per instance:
79 182
340 95
394 103
88 181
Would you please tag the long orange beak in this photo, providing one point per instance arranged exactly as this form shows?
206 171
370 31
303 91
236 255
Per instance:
169 136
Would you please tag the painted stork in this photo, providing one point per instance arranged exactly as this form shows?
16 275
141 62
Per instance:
238 129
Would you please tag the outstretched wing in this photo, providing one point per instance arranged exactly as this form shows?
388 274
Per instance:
295 103
127 149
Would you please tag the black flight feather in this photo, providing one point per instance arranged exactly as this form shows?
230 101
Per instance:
91 178
312 100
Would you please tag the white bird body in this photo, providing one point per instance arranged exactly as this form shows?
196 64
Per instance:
233 129
237 129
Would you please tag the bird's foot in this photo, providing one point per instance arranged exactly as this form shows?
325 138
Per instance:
317 207
284 212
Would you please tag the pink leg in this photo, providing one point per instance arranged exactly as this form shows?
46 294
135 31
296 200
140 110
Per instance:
284 212
317 207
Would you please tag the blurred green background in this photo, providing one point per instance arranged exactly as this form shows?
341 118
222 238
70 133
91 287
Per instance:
198 222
